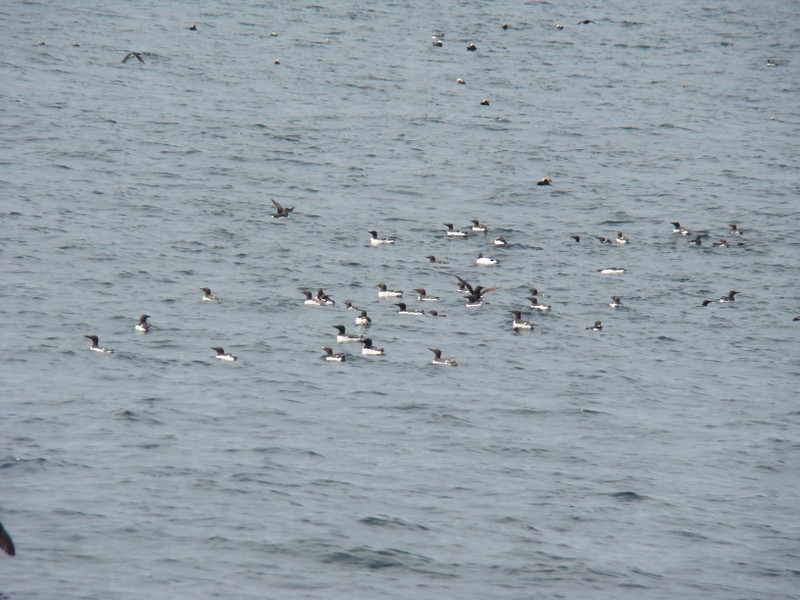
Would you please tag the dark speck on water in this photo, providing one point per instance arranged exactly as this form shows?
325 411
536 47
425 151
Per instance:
657 458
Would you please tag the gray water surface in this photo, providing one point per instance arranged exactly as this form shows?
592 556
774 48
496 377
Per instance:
657 458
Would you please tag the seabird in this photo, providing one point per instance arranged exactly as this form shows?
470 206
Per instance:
192 27
611 271
350 306
222 355
438 360
598 326
730 297
452 232
324 299
136 55
501 241
474 298
436 313
424 296
577 238
460 81
207 295
143 326
471 47
536 305
330 356
363 320
485 260
604 240
721 243
735 229
544 181
383 292
616 302
519 322
621 239
676 228
6 543
280 210
696 241
343 337
96 347
478 226
377 241
369 349
403 310
486 102
432 259
706 303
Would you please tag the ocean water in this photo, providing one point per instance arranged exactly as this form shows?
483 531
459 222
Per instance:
657 458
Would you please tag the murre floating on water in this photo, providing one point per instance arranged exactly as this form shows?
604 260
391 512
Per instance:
384 292
519 322
363 320
344 337
438 360
143 326
404 310
432 259
95 345
452 232
369 349
423 295
379 241
330 356
598 326
222 355
207 295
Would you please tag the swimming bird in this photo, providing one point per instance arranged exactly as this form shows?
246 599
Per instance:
438 360
485 260
616 302
486 102
452 232
192 27
535 292
344 337
369 349
519 322
544 181
324 299
424 296
280 210
96 347
505 25
735 229
730 297
796 318
676 228
363 320
460 81
577 238
350 306
598 326
721 243
143 326
432 259
471 47
696 241
536 305
604 240
478 226
706 303
310 298
621 239
501 241
436 313
330 356
207 295
383 292
611 271
585 22
559 26
222 355
378 241
403 310
437 42
136 55
6 543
